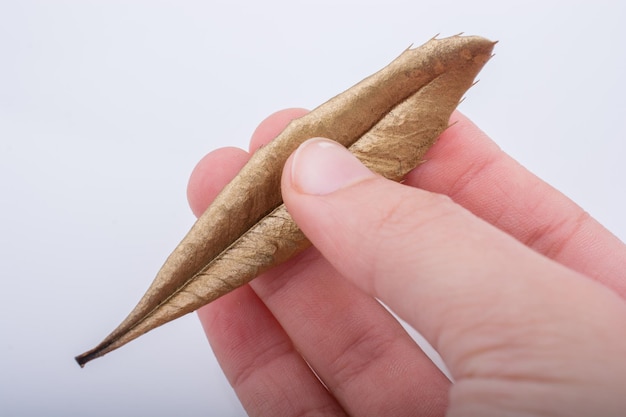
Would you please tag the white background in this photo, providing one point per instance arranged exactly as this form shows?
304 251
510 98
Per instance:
106 106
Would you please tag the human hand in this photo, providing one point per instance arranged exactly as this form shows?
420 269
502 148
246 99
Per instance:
519 290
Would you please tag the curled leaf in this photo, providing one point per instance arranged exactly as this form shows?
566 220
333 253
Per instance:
389 120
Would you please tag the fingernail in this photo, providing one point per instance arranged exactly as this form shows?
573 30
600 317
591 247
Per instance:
322 166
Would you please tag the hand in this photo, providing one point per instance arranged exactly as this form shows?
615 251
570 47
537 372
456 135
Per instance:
518 289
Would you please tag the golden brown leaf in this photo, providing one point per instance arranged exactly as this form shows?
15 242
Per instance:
389 120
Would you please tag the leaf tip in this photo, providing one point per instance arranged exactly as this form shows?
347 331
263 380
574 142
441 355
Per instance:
88 356
81 360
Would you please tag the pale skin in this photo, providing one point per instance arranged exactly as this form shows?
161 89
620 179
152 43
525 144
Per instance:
520 291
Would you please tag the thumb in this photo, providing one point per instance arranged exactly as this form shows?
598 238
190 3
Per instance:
466 286
405 246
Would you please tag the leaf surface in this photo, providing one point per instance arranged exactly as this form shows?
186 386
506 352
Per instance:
388 120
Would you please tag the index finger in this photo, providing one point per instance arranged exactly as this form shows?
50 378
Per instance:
470 168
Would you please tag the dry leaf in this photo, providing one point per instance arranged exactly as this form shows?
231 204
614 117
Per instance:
388 120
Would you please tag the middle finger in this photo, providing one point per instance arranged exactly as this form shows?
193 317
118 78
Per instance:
356 347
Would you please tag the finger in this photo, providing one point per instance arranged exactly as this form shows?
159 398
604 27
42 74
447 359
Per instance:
467 166
210 175
269 128
466 286
268 374
356 347
217 168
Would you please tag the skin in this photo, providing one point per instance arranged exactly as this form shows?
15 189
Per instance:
520 291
